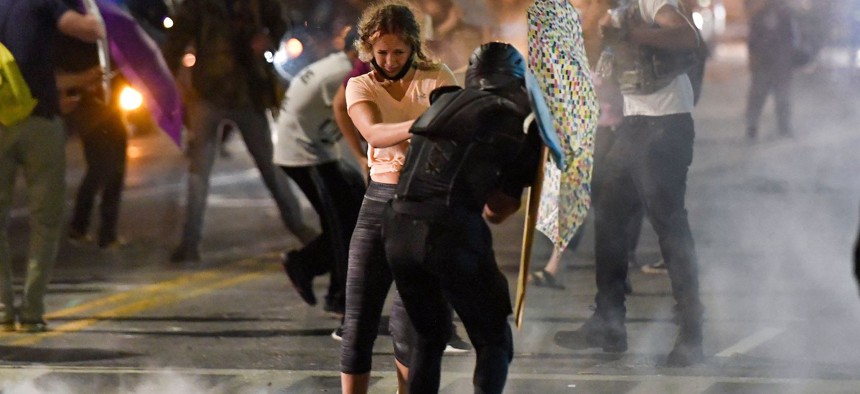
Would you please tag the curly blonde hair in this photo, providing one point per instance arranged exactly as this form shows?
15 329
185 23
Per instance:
392 17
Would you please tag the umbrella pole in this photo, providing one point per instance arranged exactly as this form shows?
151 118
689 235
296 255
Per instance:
528 239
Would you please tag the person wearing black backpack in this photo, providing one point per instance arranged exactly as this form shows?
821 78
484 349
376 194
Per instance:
36 146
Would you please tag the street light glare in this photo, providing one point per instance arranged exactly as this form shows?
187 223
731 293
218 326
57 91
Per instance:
167 22
130 99
294 48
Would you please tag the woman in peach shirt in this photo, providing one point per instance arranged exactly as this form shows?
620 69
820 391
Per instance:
382 104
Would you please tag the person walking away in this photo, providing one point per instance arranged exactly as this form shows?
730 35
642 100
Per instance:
307 151
770 43
647 165
382 104
36 146
230 81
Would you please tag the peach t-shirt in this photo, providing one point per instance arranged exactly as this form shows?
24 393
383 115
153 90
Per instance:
414 102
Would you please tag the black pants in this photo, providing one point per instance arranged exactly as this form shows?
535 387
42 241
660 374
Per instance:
335 191
104 138
367 284
646 167
764 81
450 259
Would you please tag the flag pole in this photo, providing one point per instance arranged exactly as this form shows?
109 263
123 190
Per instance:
528 239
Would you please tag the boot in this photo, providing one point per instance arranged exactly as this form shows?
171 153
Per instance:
688 345
610 334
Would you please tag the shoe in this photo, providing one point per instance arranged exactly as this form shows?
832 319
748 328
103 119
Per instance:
543 278
457 345
115 244
657 267
78 238
685 354
33 327
185 254
301 279
337 334
334 307
612 338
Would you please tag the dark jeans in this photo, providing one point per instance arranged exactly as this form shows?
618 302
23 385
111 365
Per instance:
104 138
646 167
336 191
450 259
763 82
367 283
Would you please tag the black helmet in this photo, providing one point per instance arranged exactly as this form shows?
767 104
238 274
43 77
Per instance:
495 65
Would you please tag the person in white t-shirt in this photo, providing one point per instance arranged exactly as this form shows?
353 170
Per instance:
307 150
647 166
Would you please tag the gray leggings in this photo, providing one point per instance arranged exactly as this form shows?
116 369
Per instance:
367 283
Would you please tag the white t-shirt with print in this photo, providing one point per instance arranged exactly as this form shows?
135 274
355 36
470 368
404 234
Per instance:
306 131
675 98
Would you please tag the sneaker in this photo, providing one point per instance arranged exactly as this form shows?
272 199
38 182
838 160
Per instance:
33 327
301 279
544 278
657 267
334 307
112 245
78 238
185 254
337 334
457 345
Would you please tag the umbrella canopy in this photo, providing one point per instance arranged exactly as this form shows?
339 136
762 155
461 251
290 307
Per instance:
557 60
138 58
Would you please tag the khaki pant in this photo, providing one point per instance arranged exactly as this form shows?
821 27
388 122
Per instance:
36 146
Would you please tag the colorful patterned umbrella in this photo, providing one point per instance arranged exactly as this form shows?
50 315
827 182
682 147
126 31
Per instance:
557 59
558 205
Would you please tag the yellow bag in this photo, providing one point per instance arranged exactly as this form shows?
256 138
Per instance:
16 101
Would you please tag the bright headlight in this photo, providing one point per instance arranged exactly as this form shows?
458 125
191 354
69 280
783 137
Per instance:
130 99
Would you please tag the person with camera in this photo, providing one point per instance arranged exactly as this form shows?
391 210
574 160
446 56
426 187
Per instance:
646 167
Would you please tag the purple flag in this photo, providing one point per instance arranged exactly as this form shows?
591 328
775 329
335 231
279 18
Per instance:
139 59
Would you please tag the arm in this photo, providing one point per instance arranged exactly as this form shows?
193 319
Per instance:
83 27
368 120
347 128
673 31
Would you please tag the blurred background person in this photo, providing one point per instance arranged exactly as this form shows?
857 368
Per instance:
230 82
449 37
307 151
771 46
35 145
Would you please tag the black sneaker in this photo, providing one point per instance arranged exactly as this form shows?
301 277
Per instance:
337 334
457 345
334 306
301 279
184 254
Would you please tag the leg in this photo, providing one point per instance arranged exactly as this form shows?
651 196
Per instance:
115 144
204 121
755 100
663 182
8 170
782 101
44 164
90 184
614 208
258 139
418 283
368 281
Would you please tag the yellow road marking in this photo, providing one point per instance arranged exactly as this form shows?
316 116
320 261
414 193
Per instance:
148 297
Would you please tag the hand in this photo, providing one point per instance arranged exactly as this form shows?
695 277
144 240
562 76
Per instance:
499 207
